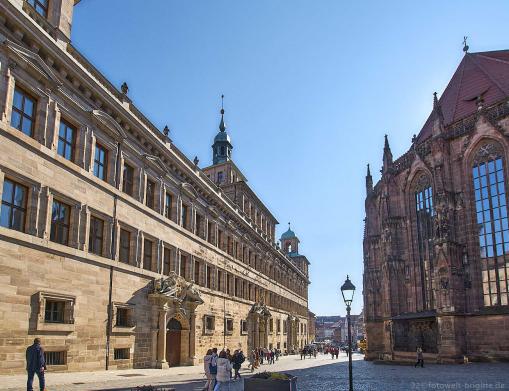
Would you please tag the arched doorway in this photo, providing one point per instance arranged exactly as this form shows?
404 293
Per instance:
173 331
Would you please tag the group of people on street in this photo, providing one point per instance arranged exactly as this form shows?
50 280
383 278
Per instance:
308 351
218 368
261 355
333 351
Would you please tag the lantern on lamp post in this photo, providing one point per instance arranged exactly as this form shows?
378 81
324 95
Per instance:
347 290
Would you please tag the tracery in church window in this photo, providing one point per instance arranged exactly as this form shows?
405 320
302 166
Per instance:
424 220
493 231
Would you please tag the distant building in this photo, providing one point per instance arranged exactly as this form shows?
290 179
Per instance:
334 328
436 243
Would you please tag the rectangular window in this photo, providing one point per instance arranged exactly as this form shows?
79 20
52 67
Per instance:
40 6
220 280
209 324
150 193
220 239
210 232
122 318
184 215
54 311
55 358
208 271
278 326
229 326
166 261
96 237
121 354
60 216
100 162
183 267
66 141
128 179
167 206
243 327
125 246
271 325
197 272
147 254
198 224
23 112
229 282
14 206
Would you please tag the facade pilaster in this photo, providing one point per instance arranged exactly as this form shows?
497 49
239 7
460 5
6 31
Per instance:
161 338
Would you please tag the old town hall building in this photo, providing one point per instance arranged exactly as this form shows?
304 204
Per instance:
115 248
436 243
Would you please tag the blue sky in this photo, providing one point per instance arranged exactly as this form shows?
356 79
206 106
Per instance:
311 87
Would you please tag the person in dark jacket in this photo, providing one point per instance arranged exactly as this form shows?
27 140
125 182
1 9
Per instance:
36 365
238 359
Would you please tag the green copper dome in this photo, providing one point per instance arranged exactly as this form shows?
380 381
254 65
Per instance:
288 234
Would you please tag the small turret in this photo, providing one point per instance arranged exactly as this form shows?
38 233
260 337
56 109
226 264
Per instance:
369 182
387 159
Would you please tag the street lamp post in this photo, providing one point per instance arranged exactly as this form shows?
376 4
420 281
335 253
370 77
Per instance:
347 290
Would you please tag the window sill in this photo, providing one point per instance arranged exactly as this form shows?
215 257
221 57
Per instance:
208 332
56 327
123 330
57 368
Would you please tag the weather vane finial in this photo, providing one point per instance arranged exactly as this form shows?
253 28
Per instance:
222 101
465 46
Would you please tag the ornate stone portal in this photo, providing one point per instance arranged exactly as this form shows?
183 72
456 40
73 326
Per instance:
174 302
259 316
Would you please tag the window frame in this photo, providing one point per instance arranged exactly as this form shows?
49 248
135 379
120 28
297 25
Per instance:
21 111
209 330
128 185
55 224
146 254
98 164
122 248
150 195
93 238
67 145
12 206
168 201
39 3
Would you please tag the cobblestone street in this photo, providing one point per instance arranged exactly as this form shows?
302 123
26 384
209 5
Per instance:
321 373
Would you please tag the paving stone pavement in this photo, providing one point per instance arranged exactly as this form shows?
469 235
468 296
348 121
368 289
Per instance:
317 374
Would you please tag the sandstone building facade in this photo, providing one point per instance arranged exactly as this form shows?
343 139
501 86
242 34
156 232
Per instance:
115 248
436 244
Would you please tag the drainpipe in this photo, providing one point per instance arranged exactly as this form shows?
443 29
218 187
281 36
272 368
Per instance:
113 250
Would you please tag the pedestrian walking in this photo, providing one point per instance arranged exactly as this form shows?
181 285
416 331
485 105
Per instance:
420 359
230 358
238 359
36 365
223 372
207 359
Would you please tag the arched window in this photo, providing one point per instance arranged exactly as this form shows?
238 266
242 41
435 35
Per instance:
288 247
222 150
424 221
491 208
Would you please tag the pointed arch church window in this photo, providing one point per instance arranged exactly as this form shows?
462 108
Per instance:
424 221
492 221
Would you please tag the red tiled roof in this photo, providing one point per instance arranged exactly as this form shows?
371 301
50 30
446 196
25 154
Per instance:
483 74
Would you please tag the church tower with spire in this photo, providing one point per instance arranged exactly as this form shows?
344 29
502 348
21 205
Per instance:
222 147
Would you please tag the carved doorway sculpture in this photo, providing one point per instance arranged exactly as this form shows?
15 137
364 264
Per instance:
173 345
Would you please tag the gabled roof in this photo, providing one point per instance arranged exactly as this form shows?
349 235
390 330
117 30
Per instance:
483 75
